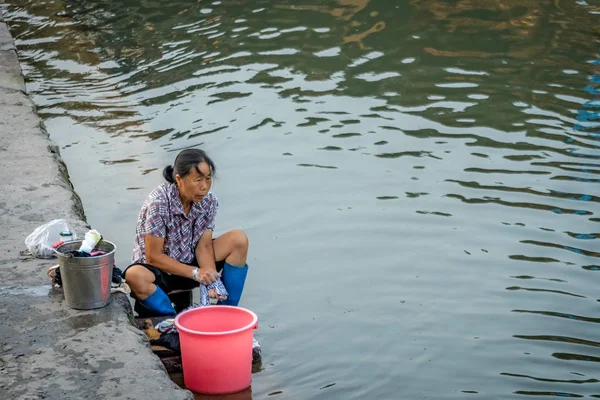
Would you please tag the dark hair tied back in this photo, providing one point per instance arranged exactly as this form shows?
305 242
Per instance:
185 161
168 174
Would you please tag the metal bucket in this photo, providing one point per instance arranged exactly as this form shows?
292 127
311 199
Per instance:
86 280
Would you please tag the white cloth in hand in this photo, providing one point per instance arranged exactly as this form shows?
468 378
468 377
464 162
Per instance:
219 288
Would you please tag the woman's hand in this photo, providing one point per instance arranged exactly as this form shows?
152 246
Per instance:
206 276
212 293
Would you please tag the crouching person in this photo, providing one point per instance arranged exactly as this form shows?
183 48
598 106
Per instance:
174 247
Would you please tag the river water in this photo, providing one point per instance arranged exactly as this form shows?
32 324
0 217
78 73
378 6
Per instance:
419 179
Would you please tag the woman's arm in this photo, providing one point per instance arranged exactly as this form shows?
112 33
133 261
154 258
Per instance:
205 254
156 257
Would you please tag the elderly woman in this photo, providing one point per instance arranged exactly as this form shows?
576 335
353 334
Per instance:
174 246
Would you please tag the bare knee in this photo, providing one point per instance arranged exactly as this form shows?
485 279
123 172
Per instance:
140 280
240 240
232 247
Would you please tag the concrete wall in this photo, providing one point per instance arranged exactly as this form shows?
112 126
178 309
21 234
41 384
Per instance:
47 350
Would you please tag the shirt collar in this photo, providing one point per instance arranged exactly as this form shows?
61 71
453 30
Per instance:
175 199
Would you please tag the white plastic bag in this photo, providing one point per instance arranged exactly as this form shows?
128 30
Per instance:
40 241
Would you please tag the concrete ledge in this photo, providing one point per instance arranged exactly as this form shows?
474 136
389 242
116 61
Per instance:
52 352
47 350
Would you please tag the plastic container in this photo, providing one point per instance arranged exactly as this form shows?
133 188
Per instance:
86 280
216 348
66 236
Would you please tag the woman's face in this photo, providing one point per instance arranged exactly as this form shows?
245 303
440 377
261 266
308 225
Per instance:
195 185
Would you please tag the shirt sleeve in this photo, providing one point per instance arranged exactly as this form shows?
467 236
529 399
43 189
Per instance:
155 222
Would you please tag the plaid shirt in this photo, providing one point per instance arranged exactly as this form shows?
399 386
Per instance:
162 216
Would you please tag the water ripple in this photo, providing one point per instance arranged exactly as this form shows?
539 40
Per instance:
451 147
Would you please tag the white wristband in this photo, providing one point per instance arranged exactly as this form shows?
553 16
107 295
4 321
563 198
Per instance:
195 273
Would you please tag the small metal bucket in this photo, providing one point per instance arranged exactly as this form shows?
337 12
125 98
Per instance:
86 280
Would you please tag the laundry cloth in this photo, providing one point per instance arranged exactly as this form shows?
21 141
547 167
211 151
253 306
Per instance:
219 288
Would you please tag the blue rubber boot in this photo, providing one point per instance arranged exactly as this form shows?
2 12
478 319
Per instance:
159 303
233 278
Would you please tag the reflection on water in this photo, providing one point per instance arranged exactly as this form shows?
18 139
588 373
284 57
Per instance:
418 180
